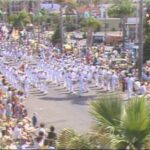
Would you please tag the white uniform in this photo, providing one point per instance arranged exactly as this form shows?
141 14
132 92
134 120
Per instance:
130 83
108 80
114 81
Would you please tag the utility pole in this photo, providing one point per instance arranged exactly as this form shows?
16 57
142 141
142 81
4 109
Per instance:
141 39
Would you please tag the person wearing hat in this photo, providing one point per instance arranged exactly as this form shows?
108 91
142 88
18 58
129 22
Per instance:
81 83
73 75
108 79
65 70
57 75
130 82
103 77
96 77
70 81
114 81
89 76
84 72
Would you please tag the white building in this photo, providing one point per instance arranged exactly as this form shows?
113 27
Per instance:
132 28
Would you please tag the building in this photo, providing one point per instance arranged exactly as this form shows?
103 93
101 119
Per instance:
110 24
132 28
52 7
28 5
97 11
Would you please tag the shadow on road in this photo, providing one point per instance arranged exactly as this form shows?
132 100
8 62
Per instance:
80 100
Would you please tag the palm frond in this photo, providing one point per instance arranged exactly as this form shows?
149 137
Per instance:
64 138
120 142
135 123
107 111
79 142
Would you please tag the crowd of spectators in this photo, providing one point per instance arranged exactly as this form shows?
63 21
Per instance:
17 130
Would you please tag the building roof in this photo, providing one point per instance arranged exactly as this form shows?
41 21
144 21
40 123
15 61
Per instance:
50 6
84 9
94 10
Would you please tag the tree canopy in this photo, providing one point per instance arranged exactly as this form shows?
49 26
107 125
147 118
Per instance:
20 20
121 8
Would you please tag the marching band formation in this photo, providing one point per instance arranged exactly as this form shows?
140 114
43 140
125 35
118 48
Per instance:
66 70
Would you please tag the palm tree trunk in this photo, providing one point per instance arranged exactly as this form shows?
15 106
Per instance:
123 30
61 27
90 37
77 20
141 38
38 42
39 23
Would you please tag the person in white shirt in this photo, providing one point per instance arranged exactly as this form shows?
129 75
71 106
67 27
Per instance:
108 80
130 82
137 86
17 133
41 129
114 81
143 89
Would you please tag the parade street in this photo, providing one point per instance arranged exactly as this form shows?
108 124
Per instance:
61 109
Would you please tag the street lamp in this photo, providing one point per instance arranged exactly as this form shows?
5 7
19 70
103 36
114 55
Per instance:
141 39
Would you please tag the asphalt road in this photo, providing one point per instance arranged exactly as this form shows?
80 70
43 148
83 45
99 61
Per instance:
61 109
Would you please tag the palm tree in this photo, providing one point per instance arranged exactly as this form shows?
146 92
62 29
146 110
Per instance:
38 19
32 4
20 20
91 25
69 139
62 2
1 15
72 15
4 7
64 138
147 2
122 9
128 125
